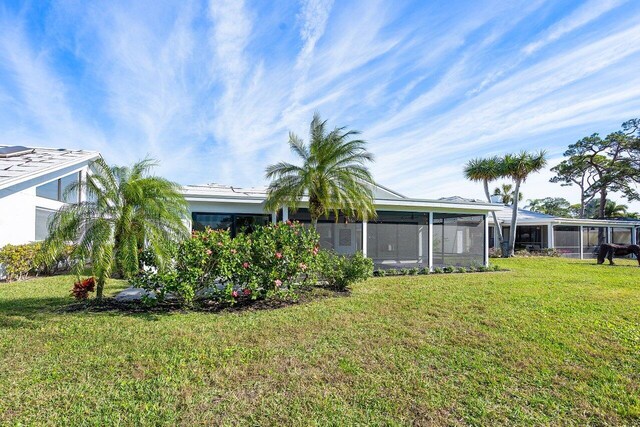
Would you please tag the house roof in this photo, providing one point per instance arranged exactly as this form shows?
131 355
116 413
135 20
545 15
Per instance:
34 162
531 217
384 197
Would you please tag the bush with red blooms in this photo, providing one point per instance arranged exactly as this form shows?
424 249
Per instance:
271 260
82 288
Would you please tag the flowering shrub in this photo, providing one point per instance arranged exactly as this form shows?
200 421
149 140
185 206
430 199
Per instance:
340 272
274 259
82 288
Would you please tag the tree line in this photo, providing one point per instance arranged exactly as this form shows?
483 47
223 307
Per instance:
598 167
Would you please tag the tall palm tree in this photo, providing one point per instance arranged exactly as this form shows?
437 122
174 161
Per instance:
126 210
506 193
518 167
485 170
333 174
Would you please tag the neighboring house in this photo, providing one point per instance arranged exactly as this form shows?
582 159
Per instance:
572 237
32 183
407 232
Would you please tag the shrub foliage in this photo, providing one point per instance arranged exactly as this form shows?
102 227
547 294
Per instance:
274 259
340 271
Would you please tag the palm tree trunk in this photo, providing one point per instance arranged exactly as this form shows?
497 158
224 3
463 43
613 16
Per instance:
314 223
514 221
497 227
100 287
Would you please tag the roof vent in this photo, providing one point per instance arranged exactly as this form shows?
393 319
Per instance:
13 151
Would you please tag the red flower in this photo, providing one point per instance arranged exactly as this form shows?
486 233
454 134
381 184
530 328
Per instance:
209 252
302 266
278 283
245 265
234 294
247 292
278 255
233 251
219 243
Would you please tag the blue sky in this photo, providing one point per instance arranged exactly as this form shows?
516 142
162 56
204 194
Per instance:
211 89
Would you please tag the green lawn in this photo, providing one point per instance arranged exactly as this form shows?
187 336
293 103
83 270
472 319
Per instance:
552 341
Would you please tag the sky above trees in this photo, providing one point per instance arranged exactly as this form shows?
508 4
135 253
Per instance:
211 89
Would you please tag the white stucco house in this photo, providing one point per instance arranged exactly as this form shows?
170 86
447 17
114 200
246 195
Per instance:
407 232
572 237
32 183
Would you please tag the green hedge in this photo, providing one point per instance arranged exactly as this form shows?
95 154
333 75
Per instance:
20 261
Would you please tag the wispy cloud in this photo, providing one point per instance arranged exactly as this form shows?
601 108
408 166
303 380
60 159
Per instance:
212 87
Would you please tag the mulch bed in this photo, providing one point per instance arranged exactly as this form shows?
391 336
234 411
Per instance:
111 305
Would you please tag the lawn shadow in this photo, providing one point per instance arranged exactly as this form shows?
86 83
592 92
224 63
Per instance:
28 312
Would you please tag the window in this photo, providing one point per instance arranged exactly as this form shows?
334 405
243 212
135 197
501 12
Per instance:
43 217
55 190
49 190
235 223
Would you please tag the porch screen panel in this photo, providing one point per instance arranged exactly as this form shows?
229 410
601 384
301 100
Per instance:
592 238
621 235
399 239
343 236
458 240
530 237
567 240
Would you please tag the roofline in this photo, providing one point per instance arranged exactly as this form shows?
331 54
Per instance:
576 221
391 191
406 202
87 157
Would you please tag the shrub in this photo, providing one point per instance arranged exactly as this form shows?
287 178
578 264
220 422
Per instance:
392 272
460 270
274 259
425 270
19 260
404 271
339 271
449 269
495 253
414 271
550 252
82 288
380 273
60 262
438 270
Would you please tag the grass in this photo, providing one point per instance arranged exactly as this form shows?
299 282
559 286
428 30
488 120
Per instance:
552 341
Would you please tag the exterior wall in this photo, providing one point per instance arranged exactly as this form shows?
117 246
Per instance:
18 206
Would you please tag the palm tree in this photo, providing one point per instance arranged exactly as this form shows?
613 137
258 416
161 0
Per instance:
333 174
126 210
485 170
506 193
614 210
518 167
